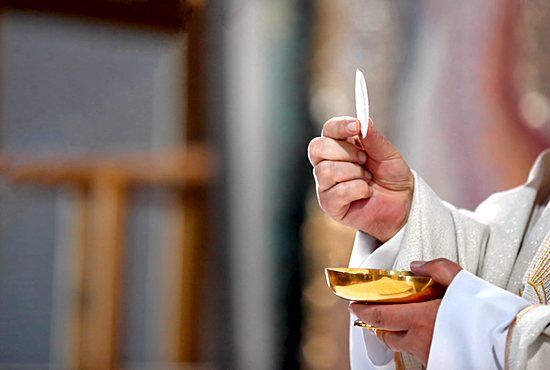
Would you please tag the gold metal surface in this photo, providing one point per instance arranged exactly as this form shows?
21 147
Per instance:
361 324
364 325
380 286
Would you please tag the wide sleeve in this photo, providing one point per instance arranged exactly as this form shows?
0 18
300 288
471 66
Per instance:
528 340
436 229
472 323
484 242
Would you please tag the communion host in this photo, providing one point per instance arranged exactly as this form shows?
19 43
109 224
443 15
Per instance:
495 261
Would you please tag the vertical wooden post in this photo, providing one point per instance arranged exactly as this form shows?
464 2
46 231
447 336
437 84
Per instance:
101 326
80 236
194 234
171 284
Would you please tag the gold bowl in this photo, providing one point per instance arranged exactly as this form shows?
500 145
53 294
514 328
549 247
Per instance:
380 286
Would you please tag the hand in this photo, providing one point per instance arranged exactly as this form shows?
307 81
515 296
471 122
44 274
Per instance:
409 327
368 190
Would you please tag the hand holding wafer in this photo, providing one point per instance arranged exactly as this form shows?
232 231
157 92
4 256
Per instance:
362 182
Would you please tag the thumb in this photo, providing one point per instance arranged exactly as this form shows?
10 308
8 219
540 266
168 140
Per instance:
441 270
377 146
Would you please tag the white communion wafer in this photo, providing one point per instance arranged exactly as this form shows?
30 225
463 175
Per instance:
362 102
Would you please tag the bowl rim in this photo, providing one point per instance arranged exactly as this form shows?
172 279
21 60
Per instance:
332 272
353 276
371 271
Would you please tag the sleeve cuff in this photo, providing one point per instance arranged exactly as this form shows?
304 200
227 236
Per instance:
368 253
472 324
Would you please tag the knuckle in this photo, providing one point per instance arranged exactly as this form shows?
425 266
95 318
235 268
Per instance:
377 317
328 124
442 270
349 170
325 169
311 144
364 187
317 171
357 188
314 148
331 121
342 190
319 148
342 130
440 263
332 170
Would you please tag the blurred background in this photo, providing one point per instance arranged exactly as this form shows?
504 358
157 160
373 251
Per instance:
157 208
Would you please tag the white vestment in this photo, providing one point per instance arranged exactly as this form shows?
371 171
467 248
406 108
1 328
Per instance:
482 323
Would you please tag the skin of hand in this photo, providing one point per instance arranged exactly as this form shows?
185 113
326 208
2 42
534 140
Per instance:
409 327
369 190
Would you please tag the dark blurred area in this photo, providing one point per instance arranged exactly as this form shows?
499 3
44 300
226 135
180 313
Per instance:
157 207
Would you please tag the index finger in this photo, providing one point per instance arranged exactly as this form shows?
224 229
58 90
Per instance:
385 317
341 128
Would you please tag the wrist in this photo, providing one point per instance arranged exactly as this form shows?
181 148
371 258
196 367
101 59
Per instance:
395 225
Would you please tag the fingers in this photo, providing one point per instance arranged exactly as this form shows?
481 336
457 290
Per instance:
329 173
341 128
405 327
441 270
322 148
377 146
336 201
397 341
384 317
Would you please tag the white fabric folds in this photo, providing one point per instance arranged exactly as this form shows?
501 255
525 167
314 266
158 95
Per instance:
475 316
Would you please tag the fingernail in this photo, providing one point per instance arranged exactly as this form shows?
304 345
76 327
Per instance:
417 264
362 157
352 127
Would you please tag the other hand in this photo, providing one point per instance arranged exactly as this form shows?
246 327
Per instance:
409 327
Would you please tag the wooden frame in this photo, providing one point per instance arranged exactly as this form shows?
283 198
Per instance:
170 14
103 185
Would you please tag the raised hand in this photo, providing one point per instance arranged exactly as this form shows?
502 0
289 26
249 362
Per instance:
369 190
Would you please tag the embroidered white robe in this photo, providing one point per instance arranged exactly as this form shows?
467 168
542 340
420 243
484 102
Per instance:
499 243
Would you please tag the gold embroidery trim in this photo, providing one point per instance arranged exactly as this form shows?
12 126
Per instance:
540 275
511 333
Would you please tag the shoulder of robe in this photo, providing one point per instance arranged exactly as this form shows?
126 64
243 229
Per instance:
539 178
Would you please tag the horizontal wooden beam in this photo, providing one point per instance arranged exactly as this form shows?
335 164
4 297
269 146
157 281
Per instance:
192 167
164 14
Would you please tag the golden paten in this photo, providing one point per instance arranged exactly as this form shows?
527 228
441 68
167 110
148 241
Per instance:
380 286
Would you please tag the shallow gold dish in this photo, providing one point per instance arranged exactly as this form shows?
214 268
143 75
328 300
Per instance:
380 286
